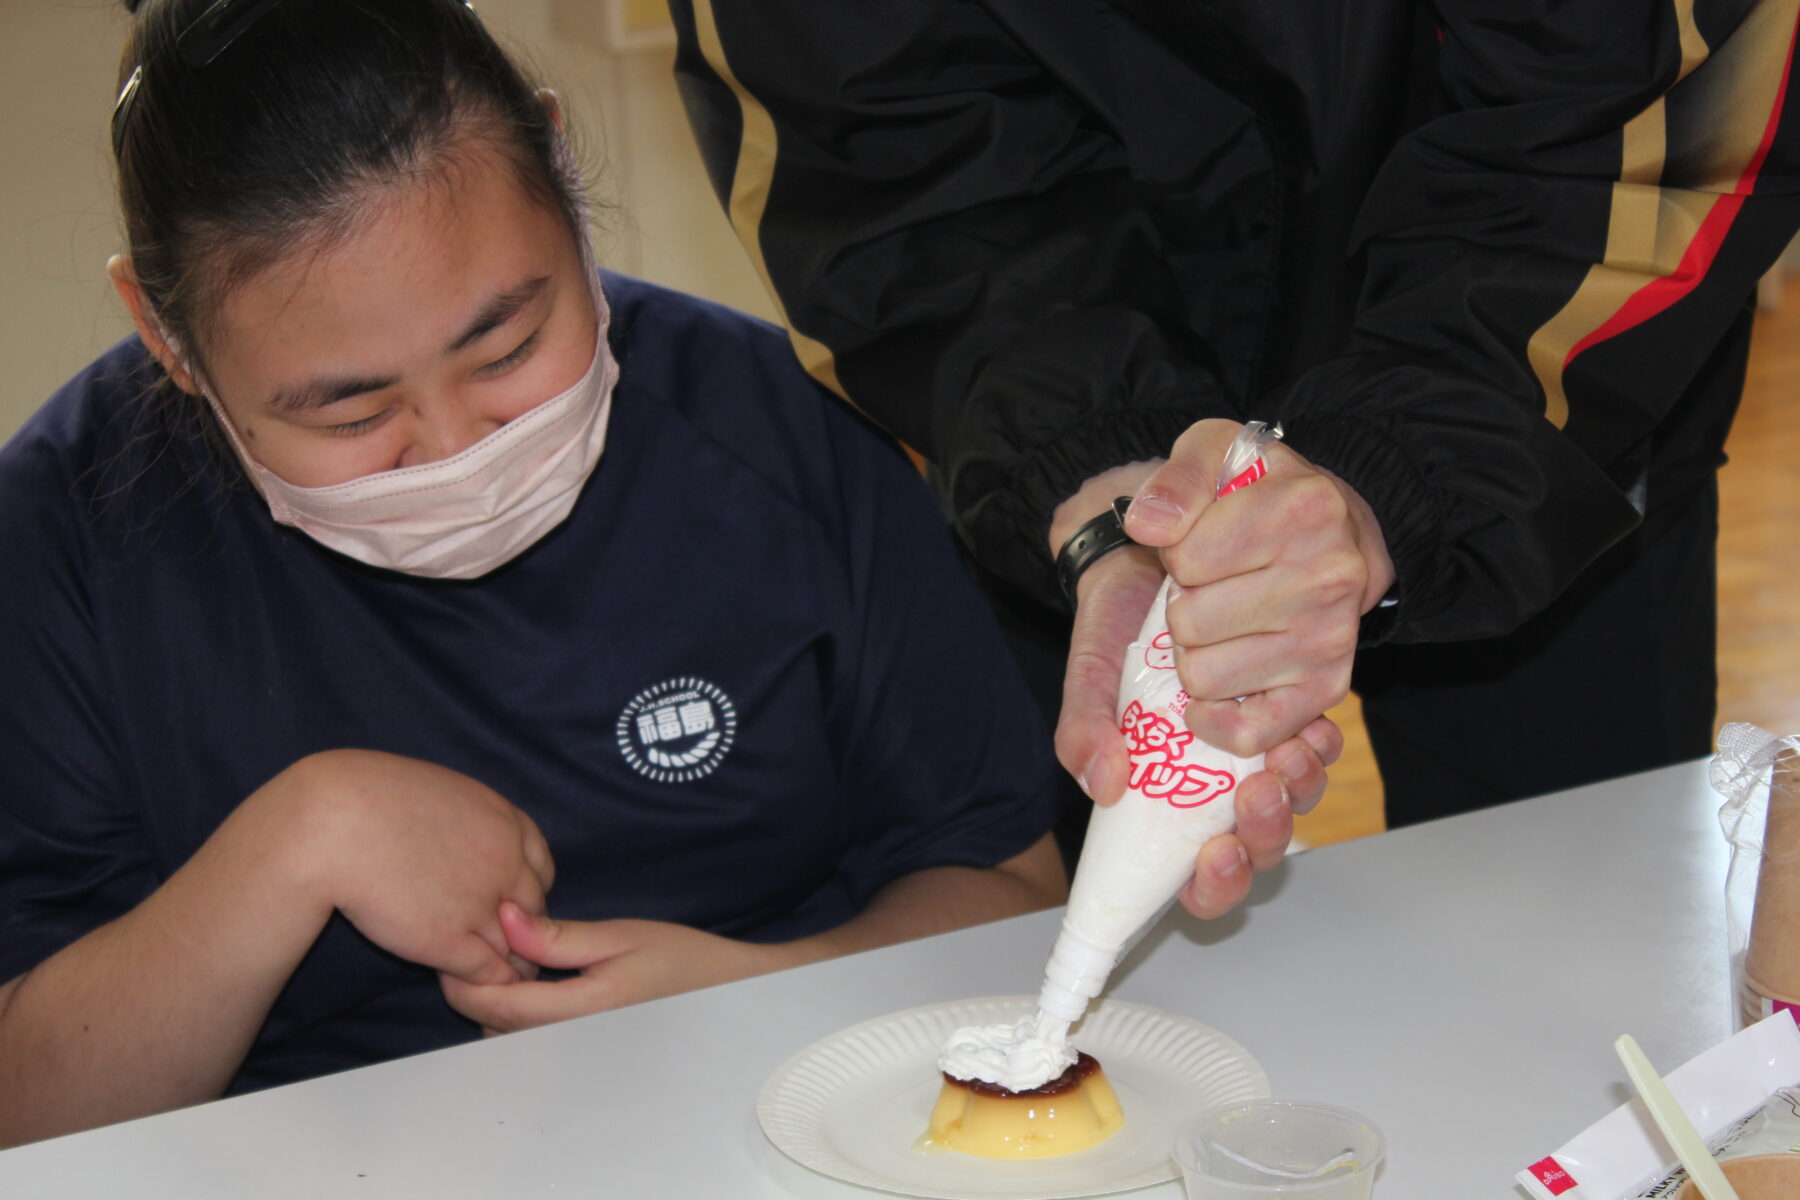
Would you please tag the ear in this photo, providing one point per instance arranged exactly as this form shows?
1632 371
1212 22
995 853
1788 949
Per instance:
552 105
124 281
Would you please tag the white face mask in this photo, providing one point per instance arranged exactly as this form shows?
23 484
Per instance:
463 516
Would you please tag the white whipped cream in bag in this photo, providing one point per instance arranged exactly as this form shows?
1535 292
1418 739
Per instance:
1138 853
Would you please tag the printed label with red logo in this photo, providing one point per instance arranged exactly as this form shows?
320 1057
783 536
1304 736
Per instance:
1550 1173
1158 750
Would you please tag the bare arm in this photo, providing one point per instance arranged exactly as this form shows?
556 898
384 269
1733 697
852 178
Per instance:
628 961
939 899
157 1009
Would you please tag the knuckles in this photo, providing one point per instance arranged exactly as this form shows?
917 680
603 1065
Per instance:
1331 642
1337 579
1196 679
1313 503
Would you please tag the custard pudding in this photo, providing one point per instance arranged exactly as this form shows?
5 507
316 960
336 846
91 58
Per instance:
1075 1110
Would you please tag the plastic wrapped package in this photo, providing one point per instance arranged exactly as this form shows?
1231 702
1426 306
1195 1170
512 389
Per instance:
1759 776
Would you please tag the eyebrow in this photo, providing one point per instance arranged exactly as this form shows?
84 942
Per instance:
499 311
326 390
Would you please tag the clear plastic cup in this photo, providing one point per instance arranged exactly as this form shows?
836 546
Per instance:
1289 1148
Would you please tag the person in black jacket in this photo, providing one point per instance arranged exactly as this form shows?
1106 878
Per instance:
1490 266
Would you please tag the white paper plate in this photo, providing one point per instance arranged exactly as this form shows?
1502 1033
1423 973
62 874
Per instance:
851 1105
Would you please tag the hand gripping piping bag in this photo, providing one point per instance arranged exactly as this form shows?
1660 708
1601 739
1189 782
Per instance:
1743 1095
1139 852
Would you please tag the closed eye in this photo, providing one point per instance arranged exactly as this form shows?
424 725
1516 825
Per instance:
502 365
352 428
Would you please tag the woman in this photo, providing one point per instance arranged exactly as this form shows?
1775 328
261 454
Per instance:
402 571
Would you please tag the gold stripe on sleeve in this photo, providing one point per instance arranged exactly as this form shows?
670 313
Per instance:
750 190
1638 247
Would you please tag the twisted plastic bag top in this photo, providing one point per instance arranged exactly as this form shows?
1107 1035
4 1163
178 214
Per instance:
1741 772
1243 463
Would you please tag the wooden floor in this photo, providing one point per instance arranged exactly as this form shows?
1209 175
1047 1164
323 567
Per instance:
1759 577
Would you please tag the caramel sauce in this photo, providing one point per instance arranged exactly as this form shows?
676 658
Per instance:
1068 1081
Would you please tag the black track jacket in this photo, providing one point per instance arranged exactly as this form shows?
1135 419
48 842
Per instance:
1488 262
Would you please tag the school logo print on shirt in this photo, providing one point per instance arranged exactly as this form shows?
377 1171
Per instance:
677 731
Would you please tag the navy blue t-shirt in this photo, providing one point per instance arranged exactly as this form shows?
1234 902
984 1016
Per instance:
742 687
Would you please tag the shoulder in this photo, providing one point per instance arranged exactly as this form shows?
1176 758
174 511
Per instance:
734 380
75 417
715 364
98 452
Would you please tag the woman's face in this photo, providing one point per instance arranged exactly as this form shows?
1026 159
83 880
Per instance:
455 306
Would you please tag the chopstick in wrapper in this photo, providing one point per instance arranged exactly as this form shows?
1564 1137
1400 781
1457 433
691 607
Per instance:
1180 791
1740 1094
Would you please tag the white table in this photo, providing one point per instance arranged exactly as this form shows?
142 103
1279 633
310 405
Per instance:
1461 982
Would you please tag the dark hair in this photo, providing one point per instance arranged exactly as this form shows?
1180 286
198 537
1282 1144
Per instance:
277 143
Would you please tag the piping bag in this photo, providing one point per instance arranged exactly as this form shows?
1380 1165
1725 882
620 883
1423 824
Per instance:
1138 853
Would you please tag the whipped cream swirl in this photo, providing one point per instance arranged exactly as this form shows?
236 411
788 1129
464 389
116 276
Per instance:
1017 1057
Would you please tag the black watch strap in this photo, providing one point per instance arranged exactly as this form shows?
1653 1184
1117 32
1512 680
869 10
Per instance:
1100 536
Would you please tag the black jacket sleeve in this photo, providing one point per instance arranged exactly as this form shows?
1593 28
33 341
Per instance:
1553 265
943 214
976 235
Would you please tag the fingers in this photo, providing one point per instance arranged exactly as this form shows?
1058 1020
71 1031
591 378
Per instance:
1314 601
566 945
1325 739
537 854
1222 872
521 1001
1243 666
1265 819
1238 606
1113 597
474 958
1261 721
1298 516
1266 803
1172 499
1300 763
1221 878
526 892
525 1005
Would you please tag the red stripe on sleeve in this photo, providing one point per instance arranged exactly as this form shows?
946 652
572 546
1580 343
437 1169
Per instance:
1659 294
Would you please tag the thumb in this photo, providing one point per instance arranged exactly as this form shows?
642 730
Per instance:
566 945
1112 598
1169 502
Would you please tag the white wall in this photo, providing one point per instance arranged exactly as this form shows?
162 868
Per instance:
58 224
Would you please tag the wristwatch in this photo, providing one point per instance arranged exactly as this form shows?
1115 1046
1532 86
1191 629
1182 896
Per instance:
1087 545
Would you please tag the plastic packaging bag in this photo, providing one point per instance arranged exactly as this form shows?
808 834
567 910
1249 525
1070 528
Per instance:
1759 776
